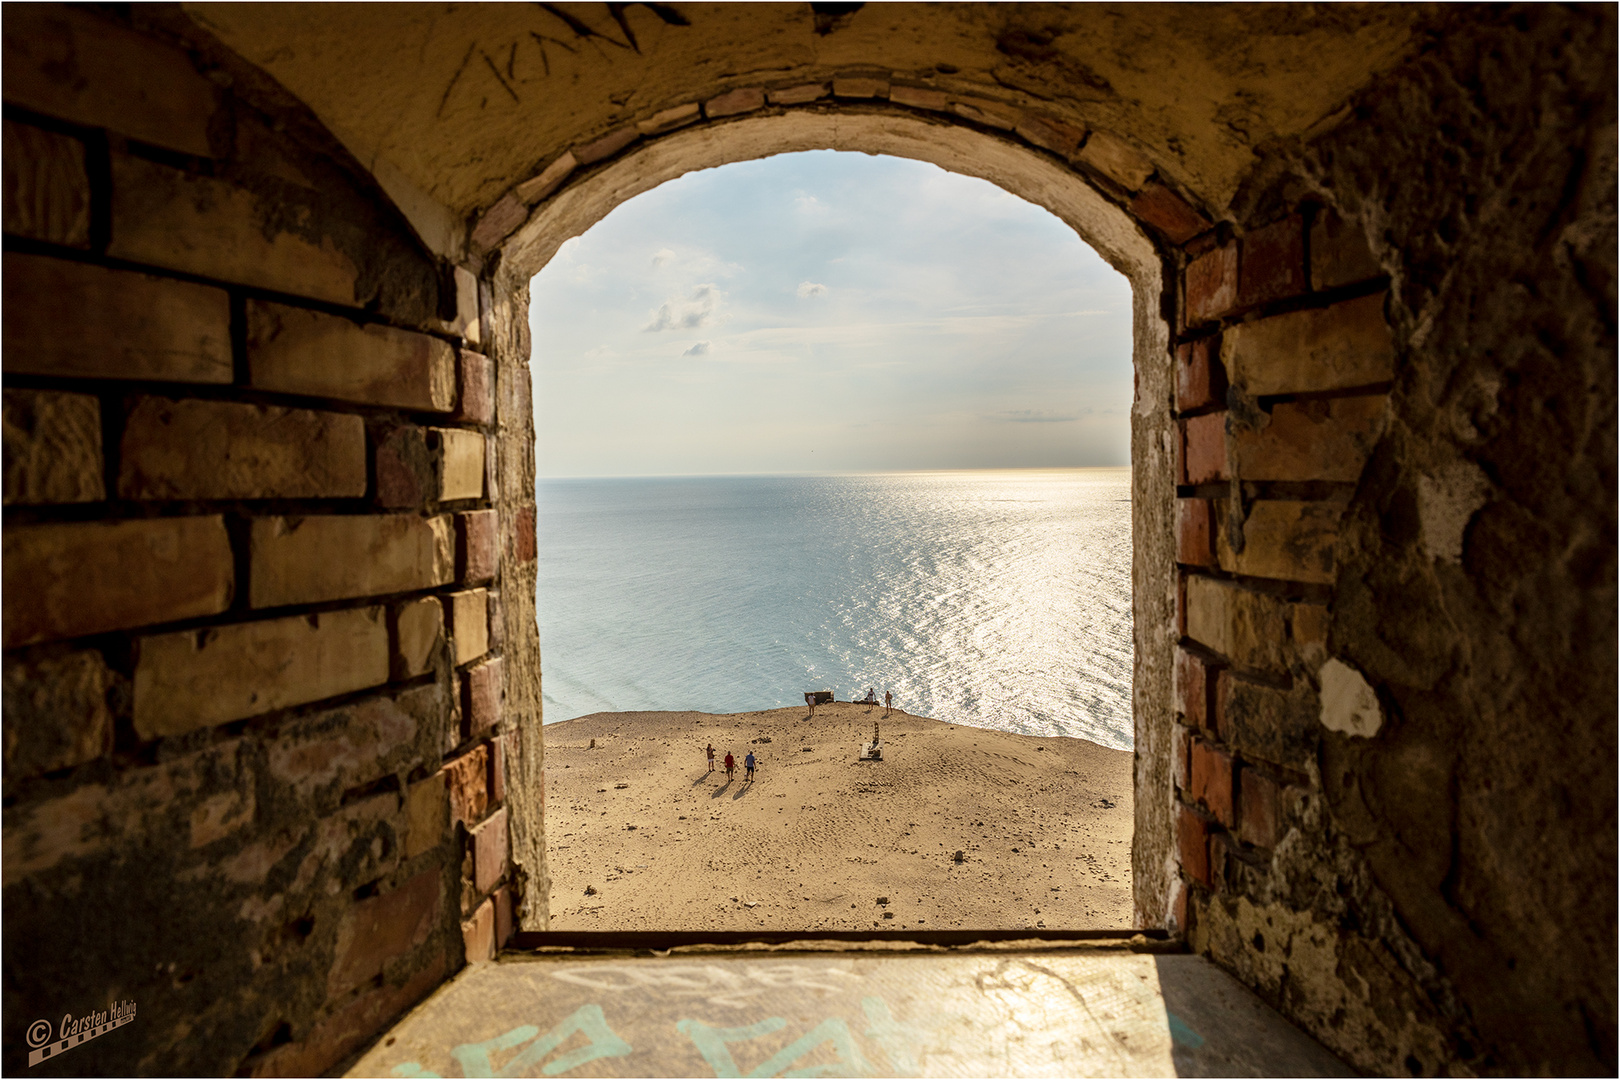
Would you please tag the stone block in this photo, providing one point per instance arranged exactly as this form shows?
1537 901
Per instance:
379 928
1203 457
1192 844
989 113
515 397
1336 348
199 678
482 691
1311 440
859 86
1116 159
67 62
1200 379
505 916
1257 817
469 624
497 770
1287 540
466 323
497 629
670 119
478 933
548 180
734 102
52 448
498 222
1273 262
225 450
1268 723
46 188
55 711
478 545
418 632
467 778
319 756
1181 747
427 815
80 321
310 560
69 580
460 463
605 147
475 397
799 95
1339 253
1195 532
1212 285
489 852
523 547
1195 687
916 97
407 470
297 351
1212 771
1248 628
1168 213
214 229
1049 134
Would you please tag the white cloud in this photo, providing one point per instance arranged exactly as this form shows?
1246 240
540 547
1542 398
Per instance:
809 204
690 313
700 349
1031 416
662 256
811 288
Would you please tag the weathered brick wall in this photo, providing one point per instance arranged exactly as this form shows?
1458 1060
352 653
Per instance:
253 733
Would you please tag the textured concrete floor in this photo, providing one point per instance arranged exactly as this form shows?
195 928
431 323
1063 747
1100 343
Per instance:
1079 1012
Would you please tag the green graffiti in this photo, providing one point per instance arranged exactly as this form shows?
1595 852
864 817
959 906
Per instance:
712 1044
896 1039
475 1060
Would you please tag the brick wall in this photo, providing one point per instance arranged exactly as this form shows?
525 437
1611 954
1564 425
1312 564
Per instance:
253 671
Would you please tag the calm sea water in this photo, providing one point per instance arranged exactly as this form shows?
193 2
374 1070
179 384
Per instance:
998 598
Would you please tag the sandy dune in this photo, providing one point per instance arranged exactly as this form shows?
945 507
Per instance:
1044 825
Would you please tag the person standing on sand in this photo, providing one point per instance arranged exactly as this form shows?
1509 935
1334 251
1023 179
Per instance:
731 766
711 757
888 702
748 766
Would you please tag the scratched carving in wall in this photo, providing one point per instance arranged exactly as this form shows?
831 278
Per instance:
522 1050
492 71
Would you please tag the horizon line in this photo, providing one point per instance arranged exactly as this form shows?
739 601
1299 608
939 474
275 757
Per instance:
845 472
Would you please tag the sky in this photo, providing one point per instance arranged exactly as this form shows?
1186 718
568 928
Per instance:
828 312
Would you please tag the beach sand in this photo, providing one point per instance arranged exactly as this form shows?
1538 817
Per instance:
1044 825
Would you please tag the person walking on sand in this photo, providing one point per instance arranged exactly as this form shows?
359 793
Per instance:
888 702
711 757
731 766
748 766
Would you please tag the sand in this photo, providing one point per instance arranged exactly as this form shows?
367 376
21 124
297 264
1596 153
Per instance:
642 836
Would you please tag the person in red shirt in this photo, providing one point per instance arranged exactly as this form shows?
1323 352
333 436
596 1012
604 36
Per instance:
731 764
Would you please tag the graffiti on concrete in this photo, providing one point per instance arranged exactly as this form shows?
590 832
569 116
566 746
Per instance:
476 1059
732 985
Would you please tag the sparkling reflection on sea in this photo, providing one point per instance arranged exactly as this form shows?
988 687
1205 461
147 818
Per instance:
998 598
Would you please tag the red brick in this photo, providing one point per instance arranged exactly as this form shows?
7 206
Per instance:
380 928
1204 449
489 851
478 544
478 933
733 102
608 145
1339 253
1168 213
467 777
68 580
475 401
1195 532
497 770
1200 379
1193 689
499 221
481 690
1258 803
504 916
1192 841
1048 134
1181 912
1181 604
1212 285
1212 780
523 542
856 86
47 191
1273 262
407 476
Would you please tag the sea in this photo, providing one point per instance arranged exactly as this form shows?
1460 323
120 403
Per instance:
995 598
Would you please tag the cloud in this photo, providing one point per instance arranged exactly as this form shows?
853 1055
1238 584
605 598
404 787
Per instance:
700 349
1031 416
688 314
809 204
662 256
810 288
